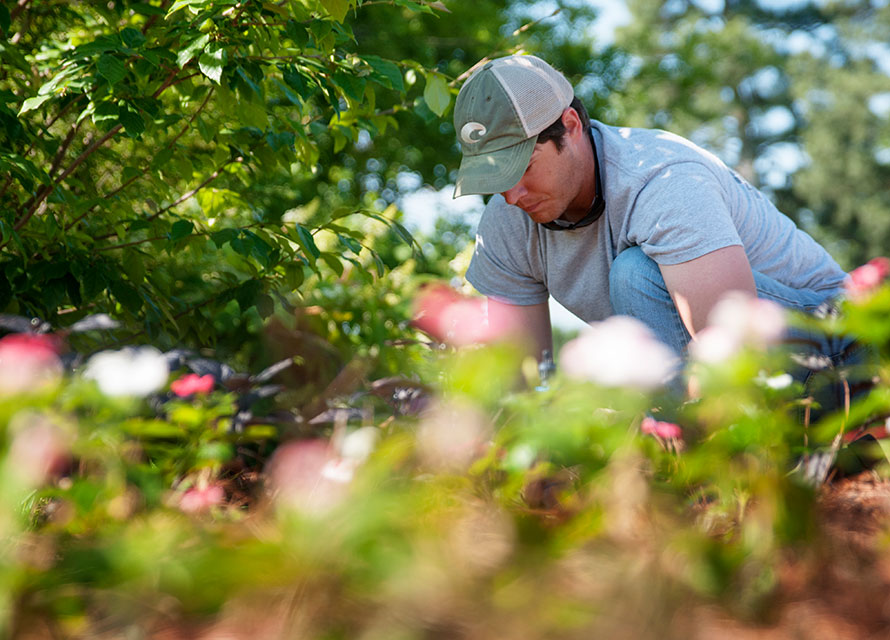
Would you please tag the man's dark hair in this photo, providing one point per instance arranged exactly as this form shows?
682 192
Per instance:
557 130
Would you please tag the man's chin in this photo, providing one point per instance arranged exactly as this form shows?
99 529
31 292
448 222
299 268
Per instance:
542 217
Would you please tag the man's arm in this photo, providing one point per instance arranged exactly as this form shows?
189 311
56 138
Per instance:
697 285
533 322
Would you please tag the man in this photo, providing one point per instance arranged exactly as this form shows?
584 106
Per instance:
613 220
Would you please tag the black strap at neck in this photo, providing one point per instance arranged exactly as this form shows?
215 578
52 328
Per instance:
596 209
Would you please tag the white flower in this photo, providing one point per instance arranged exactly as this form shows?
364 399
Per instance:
131 371
778 381
359 444
619 352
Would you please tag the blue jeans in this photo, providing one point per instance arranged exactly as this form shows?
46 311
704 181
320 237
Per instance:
636 288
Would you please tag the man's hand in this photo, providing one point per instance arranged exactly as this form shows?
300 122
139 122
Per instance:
533 322
697 285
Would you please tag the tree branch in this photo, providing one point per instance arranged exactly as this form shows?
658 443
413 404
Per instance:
137 177
44 192
19 7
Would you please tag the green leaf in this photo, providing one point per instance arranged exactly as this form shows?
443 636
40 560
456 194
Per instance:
132 120
265 305
436 94
92 283
333 262
127 295
336 8
350 243
180 229
223 236
5 19
212 62
105 115
294 275
152 428
134 267
378 263
32 103
386 73
185 55
306 241
247 292
111 68
133 38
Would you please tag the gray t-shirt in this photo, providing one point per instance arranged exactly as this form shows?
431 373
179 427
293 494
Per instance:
664 194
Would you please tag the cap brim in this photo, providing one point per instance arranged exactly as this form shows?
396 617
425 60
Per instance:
494 172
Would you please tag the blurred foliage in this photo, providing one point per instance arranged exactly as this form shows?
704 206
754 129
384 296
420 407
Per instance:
457 500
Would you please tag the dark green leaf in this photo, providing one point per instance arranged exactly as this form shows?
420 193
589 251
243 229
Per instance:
132 120
386 73
265 306
92 283
127 295
5 20
111 68
223 236
133 38
297 33
247 293
180 229
306 241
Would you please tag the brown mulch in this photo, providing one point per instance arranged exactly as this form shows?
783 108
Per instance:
840 588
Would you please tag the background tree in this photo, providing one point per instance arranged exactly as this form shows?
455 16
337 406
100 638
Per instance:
794 97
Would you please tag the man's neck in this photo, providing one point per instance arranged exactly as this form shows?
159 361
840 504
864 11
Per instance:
586 163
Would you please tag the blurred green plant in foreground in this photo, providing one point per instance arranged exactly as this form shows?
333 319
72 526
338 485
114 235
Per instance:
146 492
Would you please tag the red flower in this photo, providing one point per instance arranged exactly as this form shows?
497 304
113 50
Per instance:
863 280
192 383
666 430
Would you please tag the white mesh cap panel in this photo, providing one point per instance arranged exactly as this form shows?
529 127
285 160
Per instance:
538 92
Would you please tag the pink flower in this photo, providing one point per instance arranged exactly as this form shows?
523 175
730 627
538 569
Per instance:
459 320
619 352
28 362
191 384
735 321
865 279
665 430
198 499
308 476
39 449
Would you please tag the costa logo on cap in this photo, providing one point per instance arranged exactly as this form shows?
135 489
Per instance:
468 130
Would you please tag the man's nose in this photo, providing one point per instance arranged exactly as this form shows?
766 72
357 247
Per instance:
513 195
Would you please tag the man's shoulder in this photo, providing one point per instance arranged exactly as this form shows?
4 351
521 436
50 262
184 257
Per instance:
641 153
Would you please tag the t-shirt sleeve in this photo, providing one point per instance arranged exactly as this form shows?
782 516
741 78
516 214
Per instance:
681 214
503 263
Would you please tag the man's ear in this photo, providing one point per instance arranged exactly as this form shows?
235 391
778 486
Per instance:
571 121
